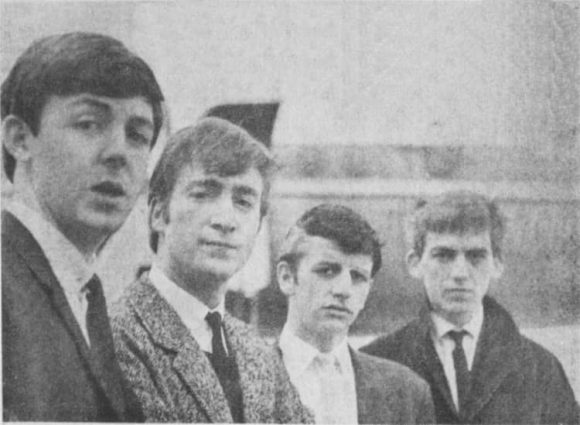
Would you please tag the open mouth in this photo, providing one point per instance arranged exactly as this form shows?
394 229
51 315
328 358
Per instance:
110 189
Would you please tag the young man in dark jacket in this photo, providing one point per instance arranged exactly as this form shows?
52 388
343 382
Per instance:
466 345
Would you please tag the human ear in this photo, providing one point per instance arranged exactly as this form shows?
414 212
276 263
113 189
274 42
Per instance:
16 136
157 215
286 279
414 264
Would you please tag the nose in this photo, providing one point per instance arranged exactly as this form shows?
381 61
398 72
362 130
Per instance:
115 154
342 285
460 268
224 218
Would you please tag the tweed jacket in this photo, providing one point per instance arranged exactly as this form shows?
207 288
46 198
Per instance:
514 380
173 377
388 392
47 371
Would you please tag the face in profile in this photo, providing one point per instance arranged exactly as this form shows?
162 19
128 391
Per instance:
328 289
456 271
87 164
210 223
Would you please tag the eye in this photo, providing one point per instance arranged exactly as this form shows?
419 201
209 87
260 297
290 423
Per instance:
139 137
445 255
476 256
327 271
87 124
245 202
358 277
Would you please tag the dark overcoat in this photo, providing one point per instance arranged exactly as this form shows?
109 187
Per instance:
514 380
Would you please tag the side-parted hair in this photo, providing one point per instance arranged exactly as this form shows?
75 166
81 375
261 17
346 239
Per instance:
456 212
70 64
220 148
337 223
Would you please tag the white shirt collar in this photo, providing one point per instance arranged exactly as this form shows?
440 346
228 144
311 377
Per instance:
190 310
70 267
442 326
298 354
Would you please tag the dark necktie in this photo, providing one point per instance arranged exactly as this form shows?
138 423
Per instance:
461 370
225 367
102 351
217 345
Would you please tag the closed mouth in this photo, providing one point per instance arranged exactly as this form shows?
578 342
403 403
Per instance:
219 244
110 189
338 308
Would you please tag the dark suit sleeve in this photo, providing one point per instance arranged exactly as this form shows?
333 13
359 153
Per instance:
131 353
289 408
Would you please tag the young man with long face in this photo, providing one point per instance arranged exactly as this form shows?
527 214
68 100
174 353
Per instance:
467 346
326 269
187 359
76 141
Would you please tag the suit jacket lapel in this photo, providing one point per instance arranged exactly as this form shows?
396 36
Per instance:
27 247
257 385
190 362
495 357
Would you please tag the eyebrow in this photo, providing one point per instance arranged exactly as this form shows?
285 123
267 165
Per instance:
246 190
207 183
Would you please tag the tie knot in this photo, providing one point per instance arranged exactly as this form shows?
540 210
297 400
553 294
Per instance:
93 286
215 320
457 336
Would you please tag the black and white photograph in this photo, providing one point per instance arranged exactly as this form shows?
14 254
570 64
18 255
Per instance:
290 211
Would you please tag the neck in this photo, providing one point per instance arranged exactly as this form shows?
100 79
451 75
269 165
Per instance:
207 288
323 340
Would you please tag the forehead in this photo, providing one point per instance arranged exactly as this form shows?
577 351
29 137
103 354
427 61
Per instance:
314 249
481 240
195 173
132 107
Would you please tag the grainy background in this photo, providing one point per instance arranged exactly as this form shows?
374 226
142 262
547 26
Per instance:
381 102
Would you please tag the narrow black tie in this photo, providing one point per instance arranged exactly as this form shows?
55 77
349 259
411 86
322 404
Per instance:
461 370
217 345
225 367
102 350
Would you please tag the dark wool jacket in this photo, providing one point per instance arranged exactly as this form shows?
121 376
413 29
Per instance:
514 380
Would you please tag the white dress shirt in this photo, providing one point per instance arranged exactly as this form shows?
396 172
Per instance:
190 310
305 371
444 345
71 268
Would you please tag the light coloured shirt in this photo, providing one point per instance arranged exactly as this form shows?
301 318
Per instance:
72 270
300 360
190 310
444 345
